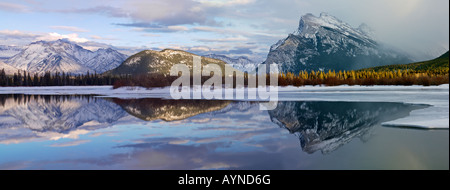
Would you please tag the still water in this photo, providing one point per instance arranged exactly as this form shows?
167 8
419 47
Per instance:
87 132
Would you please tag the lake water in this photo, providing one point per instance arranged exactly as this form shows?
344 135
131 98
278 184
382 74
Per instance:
87 132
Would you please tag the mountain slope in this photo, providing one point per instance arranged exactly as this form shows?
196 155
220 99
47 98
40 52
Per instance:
8 51
325 42
9 70
440 63
159 62
64 56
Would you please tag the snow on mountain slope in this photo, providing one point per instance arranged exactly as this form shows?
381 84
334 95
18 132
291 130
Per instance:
8 51
64 56
105 59
240 63
9 70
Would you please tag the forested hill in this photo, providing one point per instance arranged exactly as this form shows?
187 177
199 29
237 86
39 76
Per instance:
440 64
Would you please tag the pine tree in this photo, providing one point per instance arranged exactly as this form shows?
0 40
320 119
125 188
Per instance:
3 79
36 79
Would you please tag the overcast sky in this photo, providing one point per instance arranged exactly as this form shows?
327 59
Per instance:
234 27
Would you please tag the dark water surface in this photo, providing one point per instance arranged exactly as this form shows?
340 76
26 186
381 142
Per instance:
86 132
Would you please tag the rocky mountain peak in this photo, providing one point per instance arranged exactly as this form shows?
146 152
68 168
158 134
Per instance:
327 43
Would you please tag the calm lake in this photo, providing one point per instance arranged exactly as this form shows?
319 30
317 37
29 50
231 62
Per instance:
87 132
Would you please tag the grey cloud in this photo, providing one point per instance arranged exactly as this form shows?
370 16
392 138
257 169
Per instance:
161 13
153 28
105 10
13 7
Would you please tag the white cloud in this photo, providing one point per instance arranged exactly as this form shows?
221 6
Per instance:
28 37
95 37
200 48
221 3
17 34
150 35
69 28
179 141
139 27
55 36
178 28
56 136
221 40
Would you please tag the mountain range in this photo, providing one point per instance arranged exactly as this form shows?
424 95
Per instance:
64 56
240 63
320 43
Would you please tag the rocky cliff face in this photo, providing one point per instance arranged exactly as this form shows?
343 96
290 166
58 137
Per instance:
325 42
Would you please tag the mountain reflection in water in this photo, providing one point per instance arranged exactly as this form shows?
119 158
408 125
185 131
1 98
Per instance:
326 126
320 126
168 110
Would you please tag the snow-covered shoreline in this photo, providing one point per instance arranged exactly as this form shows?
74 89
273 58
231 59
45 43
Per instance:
434 117
150 92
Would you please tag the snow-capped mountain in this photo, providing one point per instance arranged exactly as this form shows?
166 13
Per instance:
8 51
241 63
105 59
325 42
63 55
